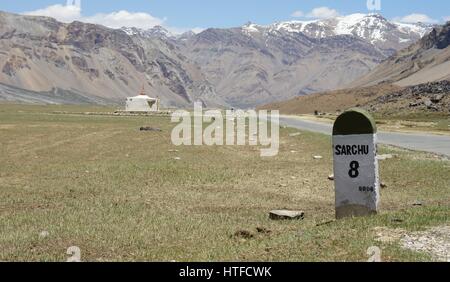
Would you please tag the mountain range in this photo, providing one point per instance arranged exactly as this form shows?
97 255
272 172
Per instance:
415 79
427 60
239 67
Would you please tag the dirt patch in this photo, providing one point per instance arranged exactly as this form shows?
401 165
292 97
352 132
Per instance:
263 230
434 241
244 234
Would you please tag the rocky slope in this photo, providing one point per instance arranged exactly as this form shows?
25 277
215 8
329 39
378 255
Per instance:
426 61
39 54
427 97
53 96
250 70
333 101
385 98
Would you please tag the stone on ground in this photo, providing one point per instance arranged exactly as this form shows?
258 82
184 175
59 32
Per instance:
286 215
44 234
149 128
384 157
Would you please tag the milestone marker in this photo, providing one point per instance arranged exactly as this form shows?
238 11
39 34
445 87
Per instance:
355 164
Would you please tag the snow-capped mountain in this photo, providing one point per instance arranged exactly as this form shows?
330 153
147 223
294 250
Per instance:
186 36
288 59
373 28
154 32
242 67
158 32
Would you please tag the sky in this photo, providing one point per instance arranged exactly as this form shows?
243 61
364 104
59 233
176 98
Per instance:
182 15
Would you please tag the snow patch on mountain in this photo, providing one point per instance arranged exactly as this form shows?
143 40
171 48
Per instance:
373 28
419 28
250 28
157 31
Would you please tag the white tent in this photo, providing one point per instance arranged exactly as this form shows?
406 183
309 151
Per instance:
142 103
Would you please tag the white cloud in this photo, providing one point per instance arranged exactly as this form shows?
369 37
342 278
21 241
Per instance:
73 12
68 13
415 18
322 13
124 18
447 18
297 14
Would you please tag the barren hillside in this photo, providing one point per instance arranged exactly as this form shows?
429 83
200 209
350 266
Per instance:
332 101
426 61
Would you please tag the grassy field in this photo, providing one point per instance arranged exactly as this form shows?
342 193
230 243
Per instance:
119 194
429 123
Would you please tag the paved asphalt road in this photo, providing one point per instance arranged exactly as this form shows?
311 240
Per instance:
414 141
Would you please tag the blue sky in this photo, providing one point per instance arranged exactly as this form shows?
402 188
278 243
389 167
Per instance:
180 15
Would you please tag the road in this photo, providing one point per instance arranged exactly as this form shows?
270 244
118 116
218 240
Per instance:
414 141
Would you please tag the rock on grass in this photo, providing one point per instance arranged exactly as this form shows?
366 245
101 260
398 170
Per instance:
286 215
